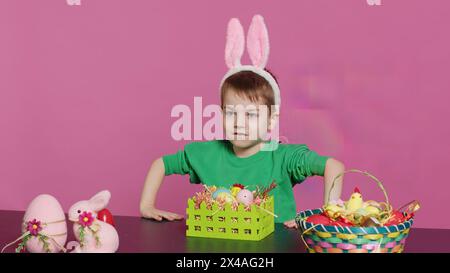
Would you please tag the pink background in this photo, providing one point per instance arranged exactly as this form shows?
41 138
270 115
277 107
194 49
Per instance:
86 93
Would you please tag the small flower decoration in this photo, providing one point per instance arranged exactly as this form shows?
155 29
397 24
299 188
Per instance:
34 226
85 219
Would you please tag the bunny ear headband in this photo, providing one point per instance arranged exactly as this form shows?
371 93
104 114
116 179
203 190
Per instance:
257 47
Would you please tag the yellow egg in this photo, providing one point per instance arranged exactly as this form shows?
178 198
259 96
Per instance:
226 197
371 210
361 211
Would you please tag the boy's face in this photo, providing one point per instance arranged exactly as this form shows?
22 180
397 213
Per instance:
245 122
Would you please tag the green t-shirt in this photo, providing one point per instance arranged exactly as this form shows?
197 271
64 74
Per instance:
214 163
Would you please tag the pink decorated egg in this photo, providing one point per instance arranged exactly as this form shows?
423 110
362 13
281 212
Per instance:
45 216
245 197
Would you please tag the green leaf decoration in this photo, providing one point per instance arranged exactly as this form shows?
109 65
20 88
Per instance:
81 235
23 243
44 240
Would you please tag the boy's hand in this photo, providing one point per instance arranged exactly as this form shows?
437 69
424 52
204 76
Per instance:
159 215
290 224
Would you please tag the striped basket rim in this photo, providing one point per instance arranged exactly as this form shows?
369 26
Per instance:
300 219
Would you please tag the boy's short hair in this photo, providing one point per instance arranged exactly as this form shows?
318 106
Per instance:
250 85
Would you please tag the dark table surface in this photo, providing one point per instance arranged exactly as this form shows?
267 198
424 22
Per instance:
142 235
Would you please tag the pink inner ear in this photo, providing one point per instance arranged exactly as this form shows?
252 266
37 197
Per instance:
235 43
258 42
100 200
97 204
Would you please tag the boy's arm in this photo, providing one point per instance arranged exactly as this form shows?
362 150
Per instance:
153 181
332 169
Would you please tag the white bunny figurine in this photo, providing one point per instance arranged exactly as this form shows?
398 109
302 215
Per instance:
93 235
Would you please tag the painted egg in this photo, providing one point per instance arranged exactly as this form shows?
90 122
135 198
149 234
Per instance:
245 197
220 190
45 216
361 211
225 196
318 219
371 210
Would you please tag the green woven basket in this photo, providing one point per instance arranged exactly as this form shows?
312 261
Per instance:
336 239
239 224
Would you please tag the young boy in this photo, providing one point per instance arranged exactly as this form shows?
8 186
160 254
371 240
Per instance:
244 156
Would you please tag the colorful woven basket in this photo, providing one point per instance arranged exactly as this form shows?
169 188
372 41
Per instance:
238 224
337 239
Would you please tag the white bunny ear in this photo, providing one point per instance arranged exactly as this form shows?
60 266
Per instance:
235 43
258 42
100 200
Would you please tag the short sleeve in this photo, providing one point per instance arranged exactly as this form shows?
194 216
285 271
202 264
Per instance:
301 163
176 163
179 163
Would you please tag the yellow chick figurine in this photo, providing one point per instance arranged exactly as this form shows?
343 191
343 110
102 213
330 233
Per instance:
355 202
